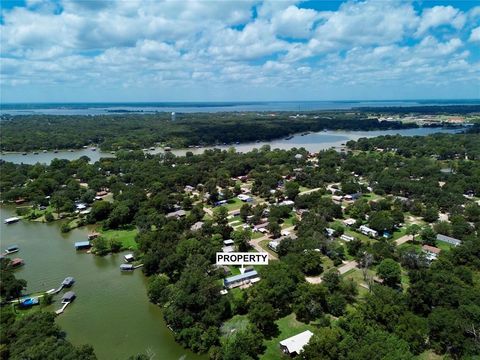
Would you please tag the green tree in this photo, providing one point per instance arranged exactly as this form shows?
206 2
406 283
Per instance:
263 315
413 230
101 246
243 344
389 271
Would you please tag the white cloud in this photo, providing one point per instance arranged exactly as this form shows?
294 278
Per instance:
169 44
440 15
475 34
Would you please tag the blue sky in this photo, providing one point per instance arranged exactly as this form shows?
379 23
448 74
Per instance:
144 50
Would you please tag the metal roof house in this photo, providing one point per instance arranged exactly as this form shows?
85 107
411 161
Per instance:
295 344
228 242
238 280
127 267
448 239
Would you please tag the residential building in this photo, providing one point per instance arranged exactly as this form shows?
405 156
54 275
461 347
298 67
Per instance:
449 240
294 345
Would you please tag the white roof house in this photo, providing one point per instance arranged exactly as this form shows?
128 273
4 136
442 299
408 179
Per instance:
294 345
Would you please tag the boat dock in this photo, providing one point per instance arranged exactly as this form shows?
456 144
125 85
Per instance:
67 298
68 282
59 311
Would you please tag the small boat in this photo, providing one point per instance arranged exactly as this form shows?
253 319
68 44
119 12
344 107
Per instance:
12 249
70 150
127 267
167 148
11 220
152 148
17 262
35 153
25 303
24 154
68 282
44 151
55 151
93 149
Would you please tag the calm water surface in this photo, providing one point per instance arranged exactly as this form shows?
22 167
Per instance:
111 312
312 142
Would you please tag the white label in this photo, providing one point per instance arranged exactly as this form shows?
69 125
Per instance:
242 258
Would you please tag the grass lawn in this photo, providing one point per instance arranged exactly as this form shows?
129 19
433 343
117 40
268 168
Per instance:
371 196
288 222
430 355
234 204
238 322
287 326
127 237
444 246
357 276
257 234
399 233
303 188
357 235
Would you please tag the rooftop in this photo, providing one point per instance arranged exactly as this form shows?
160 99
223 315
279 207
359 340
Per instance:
296 343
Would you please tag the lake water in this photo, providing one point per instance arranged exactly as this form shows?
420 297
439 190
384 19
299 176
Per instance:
191 107
111 312
313 142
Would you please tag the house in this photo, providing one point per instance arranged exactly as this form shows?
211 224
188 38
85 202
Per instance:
101 193
261 227
287 203
431 252
93 235
347 238
241 279
448 239
365 230
330 232
188 188
245 198
349 222
176 214
228 242
81 245
228 249
337 198
197 226
80 206
274 245
294 345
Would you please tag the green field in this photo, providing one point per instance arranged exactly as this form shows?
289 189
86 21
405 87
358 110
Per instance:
127 237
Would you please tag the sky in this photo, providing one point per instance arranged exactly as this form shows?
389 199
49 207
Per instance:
179 50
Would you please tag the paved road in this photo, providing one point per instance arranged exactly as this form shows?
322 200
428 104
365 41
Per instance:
346 267
403 239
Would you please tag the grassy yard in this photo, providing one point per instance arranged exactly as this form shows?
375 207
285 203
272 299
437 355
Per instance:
127 237
288 222
444 246
287 326
234 204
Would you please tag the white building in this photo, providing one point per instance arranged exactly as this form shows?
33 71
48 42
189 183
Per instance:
367 231
295 344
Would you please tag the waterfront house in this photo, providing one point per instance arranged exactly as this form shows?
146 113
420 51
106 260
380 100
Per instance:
294 345
241 279
82 245
448 240
93 235
68 297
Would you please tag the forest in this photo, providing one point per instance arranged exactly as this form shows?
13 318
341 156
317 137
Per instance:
410 306
137 131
